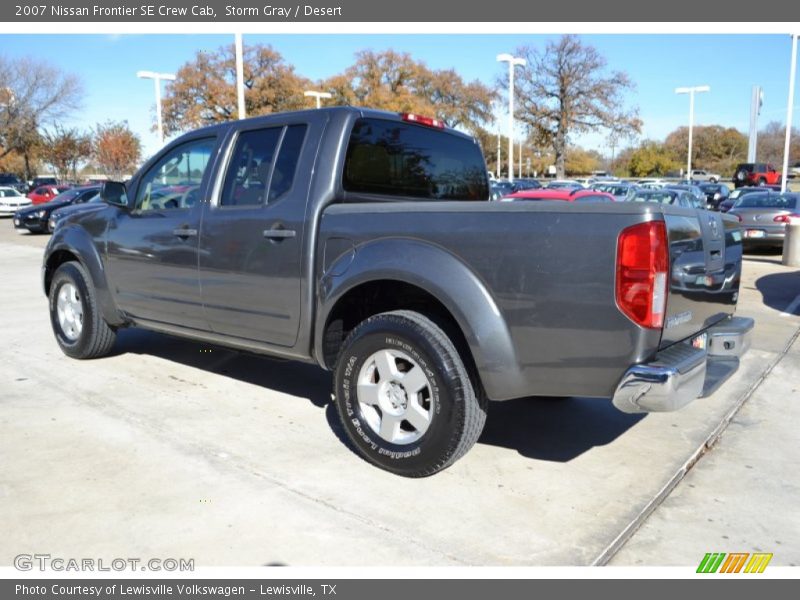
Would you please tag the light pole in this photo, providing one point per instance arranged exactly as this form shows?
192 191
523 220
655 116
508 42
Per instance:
157 78
238 48
789 111
512 61
318 96
691 91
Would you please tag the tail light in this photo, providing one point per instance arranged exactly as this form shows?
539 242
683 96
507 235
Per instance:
642 265
420 120
785 218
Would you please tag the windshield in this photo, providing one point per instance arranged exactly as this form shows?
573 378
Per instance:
9 192
778 201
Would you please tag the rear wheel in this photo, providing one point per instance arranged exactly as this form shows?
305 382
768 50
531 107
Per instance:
762 181
77 324
404 396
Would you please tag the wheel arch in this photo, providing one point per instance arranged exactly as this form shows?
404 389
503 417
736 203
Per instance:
74 244
407 274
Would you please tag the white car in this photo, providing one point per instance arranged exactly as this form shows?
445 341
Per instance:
703 175
11 201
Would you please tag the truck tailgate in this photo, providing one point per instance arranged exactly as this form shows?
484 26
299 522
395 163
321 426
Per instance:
705 270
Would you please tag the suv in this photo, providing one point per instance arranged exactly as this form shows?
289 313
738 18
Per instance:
756 174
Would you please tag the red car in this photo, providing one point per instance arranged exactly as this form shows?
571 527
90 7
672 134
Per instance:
756 174
565 195
45 193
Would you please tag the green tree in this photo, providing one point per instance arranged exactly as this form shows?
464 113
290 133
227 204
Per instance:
565 90
651 158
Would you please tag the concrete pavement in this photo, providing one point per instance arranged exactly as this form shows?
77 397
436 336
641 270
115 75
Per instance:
173 448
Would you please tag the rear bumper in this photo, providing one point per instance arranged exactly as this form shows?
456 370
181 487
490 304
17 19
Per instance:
681 373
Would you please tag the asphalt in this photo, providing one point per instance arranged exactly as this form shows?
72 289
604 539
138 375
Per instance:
170 448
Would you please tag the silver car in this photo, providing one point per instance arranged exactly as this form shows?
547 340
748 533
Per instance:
764 217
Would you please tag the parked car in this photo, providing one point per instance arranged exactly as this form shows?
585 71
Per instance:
563 184
620 190
501 188
321 236
35 218
11 201
9 180
94 202
673 196
694 190
45 193
526 184
576 195
734 196
794 170
699 175
652 183
764 217
755 174
715 193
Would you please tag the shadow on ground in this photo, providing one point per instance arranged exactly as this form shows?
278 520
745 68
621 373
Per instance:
552 429
778 290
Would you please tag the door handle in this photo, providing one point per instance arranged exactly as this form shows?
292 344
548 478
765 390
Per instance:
279 234
184 232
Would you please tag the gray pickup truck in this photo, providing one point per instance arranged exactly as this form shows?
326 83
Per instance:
363 242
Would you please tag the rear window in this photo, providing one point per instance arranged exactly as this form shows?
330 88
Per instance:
785 202
392 158
660 197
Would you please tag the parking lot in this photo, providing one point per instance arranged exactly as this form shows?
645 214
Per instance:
171 448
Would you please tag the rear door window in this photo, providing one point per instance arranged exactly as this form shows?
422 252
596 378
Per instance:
393 158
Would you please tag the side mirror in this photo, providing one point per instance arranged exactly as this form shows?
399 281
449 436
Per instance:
114 192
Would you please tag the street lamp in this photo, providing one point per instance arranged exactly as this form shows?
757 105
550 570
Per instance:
157 78
691 91
512 61
318 96
789 111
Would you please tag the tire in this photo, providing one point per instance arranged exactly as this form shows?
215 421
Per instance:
446 411
78 326
762 181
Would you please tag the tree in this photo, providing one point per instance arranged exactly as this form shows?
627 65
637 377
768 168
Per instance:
33 94
714 147
651 158
117 150
204 91
771 140
564 90
581 162
394 81
64 149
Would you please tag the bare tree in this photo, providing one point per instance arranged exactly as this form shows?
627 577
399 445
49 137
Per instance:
565 90
64 149
34 94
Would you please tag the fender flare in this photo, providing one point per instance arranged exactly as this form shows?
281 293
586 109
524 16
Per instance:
447 278
77 242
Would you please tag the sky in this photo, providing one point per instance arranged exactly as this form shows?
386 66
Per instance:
657 64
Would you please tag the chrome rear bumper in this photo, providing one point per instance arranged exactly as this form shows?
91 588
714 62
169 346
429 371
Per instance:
682 373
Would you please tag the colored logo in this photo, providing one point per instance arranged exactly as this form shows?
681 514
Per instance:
734 562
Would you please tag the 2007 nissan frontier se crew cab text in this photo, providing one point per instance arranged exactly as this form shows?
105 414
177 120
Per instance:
363 241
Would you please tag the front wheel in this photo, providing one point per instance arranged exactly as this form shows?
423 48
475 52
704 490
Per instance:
77 324
404 396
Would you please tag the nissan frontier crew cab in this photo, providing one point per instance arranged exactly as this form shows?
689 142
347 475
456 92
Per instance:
364 242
